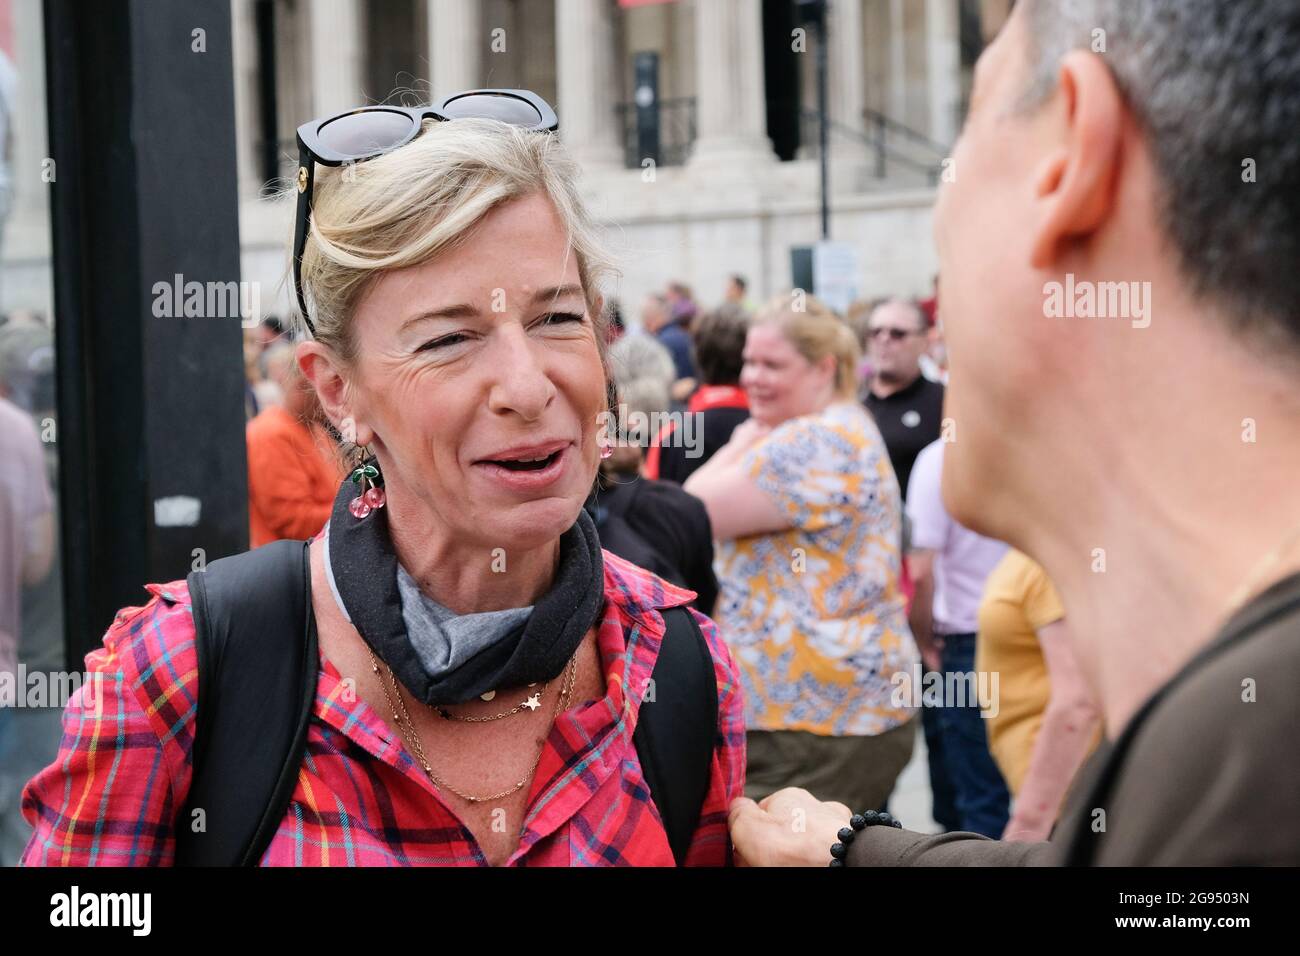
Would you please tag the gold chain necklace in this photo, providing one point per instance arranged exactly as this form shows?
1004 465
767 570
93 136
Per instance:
402 718
532 702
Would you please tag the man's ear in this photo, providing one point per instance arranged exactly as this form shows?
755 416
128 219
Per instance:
323 369
1075 187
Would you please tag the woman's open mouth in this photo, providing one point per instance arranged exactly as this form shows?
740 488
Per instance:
526 464
526 470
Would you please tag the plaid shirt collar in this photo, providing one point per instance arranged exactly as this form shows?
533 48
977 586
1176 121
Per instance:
595 736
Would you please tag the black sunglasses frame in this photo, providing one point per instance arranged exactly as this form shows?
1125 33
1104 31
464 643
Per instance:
312 151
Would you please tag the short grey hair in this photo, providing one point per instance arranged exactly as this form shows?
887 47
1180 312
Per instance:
643 372
1213 83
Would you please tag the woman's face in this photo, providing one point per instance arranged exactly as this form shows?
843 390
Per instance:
478 382
781 384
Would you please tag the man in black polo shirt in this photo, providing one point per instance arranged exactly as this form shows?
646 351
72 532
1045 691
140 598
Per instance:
908 407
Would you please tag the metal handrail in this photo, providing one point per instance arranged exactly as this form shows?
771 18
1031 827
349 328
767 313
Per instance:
880 119
677 128
880 147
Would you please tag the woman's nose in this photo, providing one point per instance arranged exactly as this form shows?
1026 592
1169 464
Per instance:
521 383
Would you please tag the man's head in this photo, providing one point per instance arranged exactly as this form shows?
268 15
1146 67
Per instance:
898 332
655 312
720 344
1124 198
282 369
269 331
681 302
736 287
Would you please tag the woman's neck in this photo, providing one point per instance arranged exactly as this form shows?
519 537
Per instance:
466 576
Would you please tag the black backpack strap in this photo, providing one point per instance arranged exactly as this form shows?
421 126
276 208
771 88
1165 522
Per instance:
255 637
677 731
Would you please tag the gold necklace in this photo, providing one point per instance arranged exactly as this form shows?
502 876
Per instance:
1266 564
532 702
402 718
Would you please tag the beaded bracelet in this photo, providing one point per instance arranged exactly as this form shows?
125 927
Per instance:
859 821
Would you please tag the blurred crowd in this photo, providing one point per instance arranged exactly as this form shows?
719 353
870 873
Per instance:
31 615
838 421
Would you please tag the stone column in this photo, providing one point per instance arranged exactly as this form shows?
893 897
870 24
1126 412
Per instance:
846 62
27 131
456 43
730 111
896 100
335 55
587 82
943 63
875 43
244 53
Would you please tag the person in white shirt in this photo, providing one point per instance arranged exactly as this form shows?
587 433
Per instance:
949 565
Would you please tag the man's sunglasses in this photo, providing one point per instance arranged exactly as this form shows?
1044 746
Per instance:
371 131
895 335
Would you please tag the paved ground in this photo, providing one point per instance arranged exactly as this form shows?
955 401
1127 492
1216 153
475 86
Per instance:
910 802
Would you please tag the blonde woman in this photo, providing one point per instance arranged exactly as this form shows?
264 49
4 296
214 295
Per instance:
477 668
806 509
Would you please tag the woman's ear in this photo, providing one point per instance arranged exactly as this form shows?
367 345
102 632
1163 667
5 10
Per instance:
827 367
326 373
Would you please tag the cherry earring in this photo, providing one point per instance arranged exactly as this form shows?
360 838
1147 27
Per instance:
371 495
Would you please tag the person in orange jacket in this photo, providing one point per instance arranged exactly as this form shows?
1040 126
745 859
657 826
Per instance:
293 471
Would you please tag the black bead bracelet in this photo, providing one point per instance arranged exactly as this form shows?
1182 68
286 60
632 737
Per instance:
859 821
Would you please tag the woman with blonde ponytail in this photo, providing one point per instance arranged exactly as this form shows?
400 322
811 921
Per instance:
806 510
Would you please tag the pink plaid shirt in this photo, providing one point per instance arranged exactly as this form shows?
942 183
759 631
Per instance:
112 796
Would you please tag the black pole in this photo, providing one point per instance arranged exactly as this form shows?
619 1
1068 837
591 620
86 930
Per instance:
151 420
268 108
823 131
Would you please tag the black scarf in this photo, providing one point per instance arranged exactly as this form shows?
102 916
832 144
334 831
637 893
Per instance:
364 567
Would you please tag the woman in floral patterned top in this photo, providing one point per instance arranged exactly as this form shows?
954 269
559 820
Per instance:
807 512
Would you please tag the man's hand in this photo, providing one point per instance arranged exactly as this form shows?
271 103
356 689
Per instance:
789 828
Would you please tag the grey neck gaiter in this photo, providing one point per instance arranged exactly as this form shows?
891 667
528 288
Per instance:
444 640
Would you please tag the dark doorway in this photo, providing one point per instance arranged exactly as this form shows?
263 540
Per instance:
781 77
395 68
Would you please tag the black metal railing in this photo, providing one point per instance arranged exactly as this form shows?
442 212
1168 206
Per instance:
891 146
676 128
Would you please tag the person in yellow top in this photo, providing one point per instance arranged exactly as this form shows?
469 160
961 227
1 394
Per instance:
1047 721
807 512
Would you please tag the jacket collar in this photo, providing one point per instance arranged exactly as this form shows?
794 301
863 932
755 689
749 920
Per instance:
639 594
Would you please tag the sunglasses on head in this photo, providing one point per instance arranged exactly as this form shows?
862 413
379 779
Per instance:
370 131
